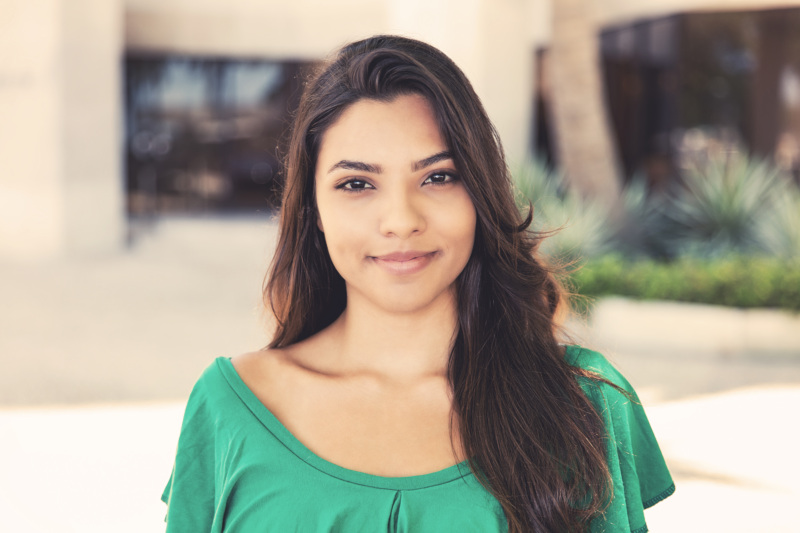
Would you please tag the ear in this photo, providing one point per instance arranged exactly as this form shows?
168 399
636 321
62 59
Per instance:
319 222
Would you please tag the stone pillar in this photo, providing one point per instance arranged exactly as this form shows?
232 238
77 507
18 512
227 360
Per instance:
30 154
91 98
61 187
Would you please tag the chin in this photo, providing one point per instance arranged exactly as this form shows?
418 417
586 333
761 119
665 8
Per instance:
410 301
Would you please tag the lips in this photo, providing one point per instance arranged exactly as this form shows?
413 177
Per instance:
401 256
404 262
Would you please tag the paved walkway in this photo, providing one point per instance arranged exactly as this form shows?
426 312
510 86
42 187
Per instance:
98 356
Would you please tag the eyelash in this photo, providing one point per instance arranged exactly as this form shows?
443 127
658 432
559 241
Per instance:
453 177
346 186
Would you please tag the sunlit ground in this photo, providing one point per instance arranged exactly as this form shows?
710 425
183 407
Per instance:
98 356
734 456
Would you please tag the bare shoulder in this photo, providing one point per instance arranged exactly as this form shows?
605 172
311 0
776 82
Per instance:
250 362
259 366
264 373
270 371
269 362
281 382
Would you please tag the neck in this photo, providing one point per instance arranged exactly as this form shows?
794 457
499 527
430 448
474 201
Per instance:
396 347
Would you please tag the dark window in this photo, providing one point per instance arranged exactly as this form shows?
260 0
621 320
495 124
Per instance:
691 84
204 134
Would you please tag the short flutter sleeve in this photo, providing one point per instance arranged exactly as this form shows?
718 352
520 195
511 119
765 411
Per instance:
190 491
639 473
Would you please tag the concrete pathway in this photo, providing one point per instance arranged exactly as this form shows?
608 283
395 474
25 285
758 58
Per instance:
138 325
98 355
734 458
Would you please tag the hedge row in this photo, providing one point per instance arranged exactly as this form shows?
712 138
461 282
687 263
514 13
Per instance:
737 281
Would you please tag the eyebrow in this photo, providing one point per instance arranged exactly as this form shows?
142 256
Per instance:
360 166
432 160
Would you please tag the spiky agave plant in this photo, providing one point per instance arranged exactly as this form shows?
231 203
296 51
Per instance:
638 222
779 229
580 229
720 206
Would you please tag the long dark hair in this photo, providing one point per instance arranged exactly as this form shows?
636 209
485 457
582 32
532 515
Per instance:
532 437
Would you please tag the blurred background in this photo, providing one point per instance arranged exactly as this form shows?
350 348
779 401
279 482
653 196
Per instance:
140 172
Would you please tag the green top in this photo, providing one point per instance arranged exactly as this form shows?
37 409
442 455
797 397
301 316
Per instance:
238 469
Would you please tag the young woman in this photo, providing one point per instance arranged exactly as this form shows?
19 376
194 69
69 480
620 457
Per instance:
414 381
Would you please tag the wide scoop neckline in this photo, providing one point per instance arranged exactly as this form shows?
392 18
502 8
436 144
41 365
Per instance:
287 438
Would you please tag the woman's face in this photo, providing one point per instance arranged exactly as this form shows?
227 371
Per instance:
398 222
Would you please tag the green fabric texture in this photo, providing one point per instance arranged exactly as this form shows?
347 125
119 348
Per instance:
638 471
239 470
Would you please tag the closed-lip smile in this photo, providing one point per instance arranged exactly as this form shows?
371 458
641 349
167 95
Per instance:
401 257
408 262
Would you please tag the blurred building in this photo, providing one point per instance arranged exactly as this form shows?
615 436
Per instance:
695 82
116 109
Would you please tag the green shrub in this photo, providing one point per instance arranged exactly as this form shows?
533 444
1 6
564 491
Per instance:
736 281
727 234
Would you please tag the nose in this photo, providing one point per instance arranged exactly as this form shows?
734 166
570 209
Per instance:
401 216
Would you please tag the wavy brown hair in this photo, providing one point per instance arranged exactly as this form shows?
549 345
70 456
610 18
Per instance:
532 437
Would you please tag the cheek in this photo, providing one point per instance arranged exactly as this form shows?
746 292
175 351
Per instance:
344 235
460 221
468 242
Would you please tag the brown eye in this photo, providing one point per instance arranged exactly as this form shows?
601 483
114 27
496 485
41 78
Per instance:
355 185
440 178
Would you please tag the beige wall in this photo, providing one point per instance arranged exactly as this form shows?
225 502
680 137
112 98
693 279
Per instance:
60 177
297 29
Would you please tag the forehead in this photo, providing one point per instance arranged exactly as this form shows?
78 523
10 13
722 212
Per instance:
404 128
